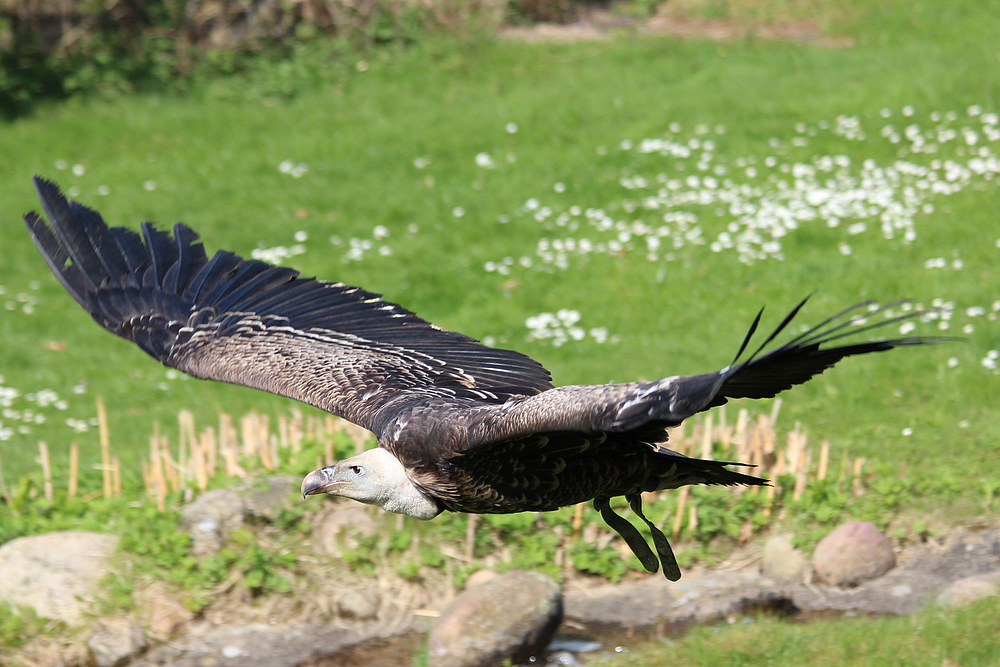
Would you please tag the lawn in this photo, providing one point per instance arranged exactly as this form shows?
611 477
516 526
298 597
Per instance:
650 194
932 638
779 166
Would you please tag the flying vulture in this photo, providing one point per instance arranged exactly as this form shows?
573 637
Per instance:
461 426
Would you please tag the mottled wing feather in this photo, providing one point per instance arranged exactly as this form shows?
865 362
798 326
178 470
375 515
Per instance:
254 324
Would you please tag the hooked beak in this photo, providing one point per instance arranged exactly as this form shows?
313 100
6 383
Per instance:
318 481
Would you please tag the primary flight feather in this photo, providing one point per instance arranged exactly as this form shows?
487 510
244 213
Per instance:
460 426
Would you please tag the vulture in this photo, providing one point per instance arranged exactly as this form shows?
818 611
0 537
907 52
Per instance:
461 426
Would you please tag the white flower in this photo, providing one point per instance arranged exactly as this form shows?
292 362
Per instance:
511 128
485 161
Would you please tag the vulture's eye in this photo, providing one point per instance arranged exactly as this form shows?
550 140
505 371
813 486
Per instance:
356 470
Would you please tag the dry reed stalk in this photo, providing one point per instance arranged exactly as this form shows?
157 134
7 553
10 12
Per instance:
692 518
679 517
283 440
725 441
824 460
775 409
228 446
186 440
296 429
275 457
678 439
86 498
328 452
43 459
770 493
102 427
767 443
802 478
470 536
311 430
169 465
741 441
577 521
74 469
248 432
332 425
859 463
208 447
706 438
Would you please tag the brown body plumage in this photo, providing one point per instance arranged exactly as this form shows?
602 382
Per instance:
468 428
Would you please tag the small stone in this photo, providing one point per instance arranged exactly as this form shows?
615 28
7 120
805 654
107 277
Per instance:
361 604
852 554
782 562
115 641
970 589
511 617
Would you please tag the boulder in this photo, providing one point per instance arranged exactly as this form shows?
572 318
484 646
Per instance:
511 617
782 562
852 554
970 589
57 573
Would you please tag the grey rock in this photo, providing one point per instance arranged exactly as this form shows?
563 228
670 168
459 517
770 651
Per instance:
513 616
853 553
56 573
215 514
654 605
783 562
263 645
210 518
115 641
265 497
970 589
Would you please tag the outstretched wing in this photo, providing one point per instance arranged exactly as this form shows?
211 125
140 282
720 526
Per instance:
250 323
646 408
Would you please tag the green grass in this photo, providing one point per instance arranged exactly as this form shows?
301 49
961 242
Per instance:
931 638
214 157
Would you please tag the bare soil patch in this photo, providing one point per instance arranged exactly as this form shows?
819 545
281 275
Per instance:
600 24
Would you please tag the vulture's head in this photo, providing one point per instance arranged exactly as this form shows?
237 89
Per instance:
375 477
